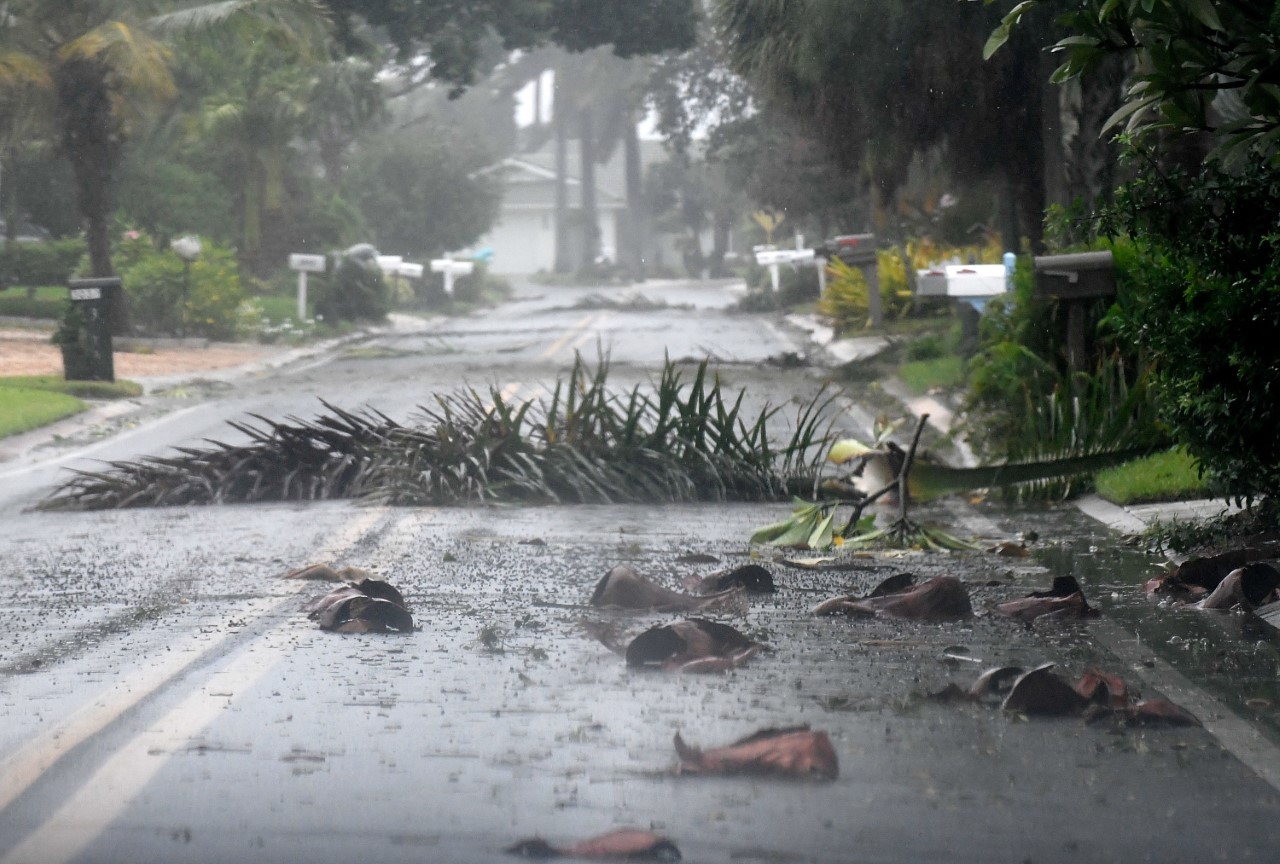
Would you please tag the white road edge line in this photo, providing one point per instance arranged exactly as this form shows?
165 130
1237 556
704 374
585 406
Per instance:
23 769
1235 735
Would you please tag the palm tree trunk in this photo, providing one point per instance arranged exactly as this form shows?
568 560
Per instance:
633 241
560 122
90 140
590 216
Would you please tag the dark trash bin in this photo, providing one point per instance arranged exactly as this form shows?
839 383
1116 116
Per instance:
85 335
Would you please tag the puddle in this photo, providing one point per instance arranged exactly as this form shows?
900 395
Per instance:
1234 657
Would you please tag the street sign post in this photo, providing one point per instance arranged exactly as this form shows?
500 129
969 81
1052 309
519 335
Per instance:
305 264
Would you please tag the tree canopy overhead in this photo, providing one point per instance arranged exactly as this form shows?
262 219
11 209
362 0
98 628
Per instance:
878 83
452 34
1198 66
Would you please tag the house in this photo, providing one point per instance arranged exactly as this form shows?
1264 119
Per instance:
523 238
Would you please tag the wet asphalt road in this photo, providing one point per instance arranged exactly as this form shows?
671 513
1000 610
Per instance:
163 700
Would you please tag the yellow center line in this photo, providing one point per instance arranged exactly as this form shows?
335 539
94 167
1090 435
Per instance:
564 340
21 770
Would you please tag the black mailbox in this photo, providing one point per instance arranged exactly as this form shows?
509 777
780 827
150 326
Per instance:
86 334
1076 276
853 249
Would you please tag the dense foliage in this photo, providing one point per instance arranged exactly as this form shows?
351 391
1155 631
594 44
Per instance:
1199 66
1207 311
168 297
34 264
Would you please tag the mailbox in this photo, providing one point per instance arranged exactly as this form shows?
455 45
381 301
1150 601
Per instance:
962 280
768 257
1077 276
451 270
86 339
852 249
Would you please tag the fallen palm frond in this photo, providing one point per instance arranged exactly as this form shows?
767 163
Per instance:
670 441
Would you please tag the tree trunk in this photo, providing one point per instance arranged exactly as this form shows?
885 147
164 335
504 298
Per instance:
90 140
633 243
590 216
560 122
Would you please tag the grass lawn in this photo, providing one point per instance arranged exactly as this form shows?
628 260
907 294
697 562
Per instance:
30 401
278 307
81 389
1167 476
921 376
23 409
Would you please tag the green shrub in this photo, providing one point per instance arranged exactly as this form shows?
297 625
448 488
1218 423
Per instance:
1208 311
164 299
1024 400
48 302
354 289
846 299
50 263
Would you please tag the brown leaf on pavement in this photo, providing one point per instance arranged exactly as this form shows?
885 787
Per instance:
624 588
1010 549
793 752
1065 600
750 577
692 645
367 606
631 844
1102 688
1249 587
1161 711
942 598
995 681
1199 576
1041 692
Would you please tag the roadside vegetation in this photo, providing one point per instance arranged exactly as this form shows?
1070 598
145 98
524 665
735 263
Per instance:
30 401
23 409
1167 476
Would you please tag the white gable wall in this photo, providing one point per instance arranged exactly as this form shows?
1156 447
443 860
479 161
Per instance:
524 240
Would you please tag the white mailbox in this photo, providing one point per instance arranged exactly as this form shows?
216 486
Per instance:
451 270
771 258
962 280
390 264
307 263
410 270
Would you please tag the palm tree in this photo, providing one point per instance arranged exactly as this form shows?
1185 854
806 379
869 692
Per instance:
106 62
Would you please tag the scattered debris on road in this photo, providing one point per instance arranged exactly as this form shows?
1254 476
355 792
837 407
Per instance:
624 588
631 844
942 598
797 751
1063 601
366 606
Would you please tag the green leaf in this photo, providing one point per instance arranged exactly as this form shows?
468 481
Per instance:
995 41
1205 13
